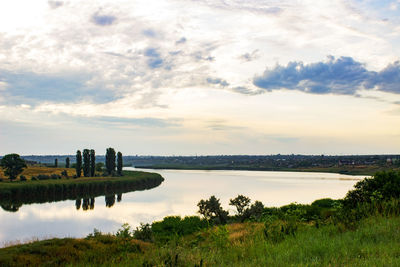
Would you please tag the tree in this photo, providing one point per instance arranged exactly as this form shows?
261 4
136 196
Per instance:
211 210
56 163
86 162
110 161
241 203
67 163
78 166
119 163
99 166
12 165
92 162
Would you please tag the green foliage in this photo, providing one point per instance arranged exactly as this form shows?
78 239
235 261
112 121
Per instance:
119 163
86 162
99 166
220 236
382 186
67 163
143 232
124 232
22 178
12 165
92 162
174 226
78 165
56 163
241 203
211 210
277 230
110 161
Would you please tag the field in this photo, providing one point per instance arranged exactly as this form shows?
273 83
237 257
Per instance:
34 170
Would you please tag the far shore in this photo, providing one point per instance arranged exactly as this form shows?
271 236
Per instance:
358 170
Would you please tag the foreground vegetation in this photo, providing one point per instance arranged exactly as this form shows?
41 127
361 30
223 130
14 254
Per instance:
363 229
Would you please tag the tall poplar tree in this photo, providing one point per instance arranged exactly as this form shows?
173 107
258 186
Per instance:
119 163
92 162
86 162
67 163
56 163
110 160
78 163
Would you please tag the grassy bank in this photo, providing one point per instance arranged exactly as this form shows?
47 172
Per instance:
14 194
350 170
375 242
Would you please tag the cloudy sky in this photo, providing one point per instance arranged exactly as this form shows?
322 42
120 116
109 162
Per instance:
186 77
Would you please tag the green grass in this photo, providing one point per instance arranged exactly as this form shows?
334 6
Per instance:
376 242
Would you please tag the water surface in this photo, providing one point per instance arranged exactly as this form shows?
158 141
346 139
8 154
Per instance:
177 195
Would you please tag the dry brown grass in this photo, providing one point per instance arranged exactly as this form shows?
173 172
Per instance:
34 170
238 231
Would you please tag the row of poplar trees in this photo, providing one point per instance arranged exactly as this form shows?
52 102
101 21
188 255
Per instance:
89 162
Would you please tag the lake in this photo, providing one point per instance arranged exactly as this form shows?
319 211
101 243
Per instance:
177 195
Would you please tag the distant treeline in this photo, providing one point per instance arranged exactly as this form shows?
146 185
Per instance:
261 161
13 195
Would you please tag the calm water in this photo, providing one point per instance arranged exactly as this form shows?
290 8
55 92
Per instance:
177 195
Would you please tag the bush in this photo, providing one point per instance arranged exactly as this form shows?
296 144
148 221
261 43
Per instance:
64 173
143 232
55 176
382 186
277 230
43 177
22 178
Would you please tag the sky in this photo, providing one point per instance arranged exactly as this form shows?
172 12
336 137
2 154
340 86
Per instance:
204 77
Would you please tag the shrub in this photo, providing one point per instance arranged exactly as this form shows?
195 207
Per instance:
64 173
55 176
22 178
43 177
143 232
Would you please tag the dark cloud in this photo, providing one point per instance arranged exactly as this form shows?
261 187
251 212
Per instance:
245 90
217 81
181 41
31 88
342 76
103 20
154 60
250 56
55 4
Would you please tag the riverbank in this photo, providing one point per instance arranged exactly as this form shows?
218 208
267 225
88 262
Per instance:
14 194
348 170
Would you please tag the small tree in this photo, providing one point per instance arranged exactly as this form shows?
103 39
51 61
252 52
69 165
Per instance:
86 162
12 165
99 166
119 163
241 203
211 210
67 163
110 160
56 163
92 162
78 166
